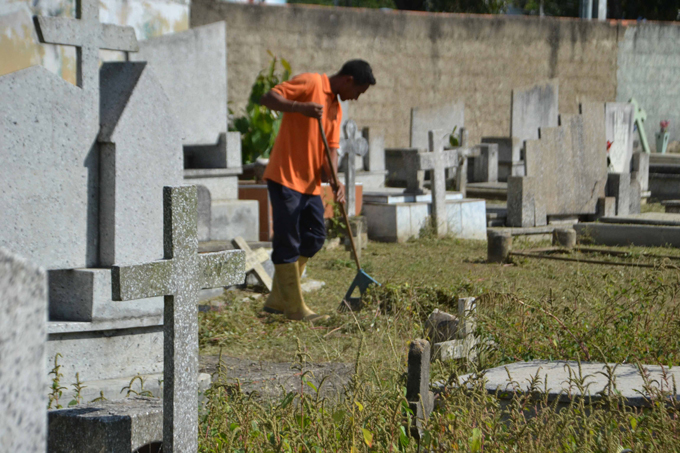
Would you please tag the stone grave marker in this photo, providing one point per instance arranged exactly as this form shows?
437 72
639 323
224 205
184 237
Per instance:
418 394
351 146
640 118
533 108
254 261
23 374
179 277
620 120
437 160
446 117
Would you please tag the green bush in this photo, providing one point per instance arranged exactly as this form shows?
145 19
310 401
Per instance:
259 125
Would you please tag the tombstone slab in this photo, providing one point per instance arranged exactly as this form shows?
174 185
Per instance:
534 107
23 375
562 376
418 394
620 121
445 117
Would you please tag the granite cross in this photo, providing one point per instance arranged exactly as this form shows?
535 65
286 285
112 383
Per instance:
179 277
351 146
254 261
88 35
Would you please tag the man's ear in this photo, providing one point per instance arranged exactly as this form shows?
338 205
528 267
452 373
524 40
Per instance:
349 79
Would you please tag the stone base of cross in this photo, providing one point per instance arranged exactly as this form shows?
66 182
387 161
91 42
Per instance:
179 277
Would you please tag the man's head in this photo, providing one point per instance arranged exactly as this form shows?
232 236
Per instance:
354 78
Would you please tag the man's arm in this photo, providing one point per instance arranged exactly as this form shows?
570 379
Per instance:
340 189
274 101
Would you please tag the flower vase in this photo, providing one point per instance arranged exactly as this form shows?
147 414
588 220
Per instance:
662 142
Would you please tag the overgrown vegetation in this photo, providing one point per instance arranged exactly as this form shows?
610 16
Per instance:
259 125
529 310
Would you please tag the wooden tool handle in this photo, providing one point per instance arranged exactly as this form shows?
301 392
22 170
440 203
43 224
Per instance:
335 185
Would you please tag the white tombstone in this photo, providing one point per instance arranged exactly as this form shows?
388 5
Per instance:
620 120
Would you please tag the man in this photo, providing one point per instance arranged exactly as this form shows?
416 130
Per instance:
294 174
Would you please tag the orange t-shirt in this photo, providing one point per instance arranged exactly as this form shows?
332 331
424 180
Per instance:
298 154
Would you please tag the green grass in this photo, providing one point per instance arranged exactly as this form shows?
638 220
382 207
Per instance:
532 309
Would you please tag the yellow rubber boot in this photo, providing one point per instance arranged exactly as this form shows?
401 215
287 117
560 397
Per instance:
291 292
275 303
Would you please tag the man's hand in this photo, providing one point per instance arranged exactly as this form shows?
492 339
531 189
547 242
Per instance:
340 194
309 109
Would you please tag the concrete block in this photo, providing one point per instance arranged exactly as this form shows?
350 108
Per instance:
444 116
418 394
640 166
485 166
220 187
51 220
138 134
213 155
618 186
635 197
525 206
606 207
472 219
232 218
625 235
664 186
85 295
395 163
109 426
23 376
192 68
499 246
234 156
374 161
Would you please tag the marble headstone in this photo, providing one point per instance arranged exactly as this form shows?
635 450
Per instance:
23 374
620 119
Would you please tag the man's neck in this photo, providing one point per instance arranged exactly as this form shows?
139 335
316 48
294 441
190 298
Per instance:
335 82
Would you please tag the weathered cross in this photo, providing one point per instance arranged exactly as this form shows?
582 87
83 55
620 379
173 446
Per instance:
179 277
88 35
351 146
640 118
254 261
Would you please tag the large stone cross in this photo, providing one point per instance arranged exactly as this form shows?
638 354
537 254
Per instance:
88 35
351 146
437 160
179 277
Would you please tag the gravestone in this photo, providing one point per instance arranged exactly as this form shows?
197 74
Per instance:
620 120
446 117
437 160
618 186
254 262
567 169
533 108
640 118
418 394
179 277
23 375
352 147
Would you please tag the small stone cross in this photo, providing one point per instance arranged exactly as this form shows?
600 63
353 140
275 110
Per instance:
351 146
179 277
88 35
254 261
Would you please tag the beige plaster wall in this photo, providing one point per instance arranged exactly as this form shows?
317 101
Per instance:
421 59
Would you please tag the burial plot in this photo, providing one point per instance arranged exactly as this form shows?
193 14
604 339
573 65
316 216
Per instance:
23 375
566 171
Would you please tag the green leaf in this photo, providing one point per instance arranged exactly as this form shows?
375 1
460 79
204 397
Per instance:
287 400
359 405
338 416
309 383
476 440
404 439
368 437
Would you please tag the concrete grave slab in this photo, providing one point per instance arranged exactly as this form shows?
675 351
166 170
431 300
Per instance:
392 195
23 375
618 187
179 278
620 121
138 134
647 218
444 116
629 234
561 379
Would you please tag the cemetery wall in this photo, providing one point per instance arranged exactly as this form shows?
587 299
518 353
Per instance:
649 70
420 59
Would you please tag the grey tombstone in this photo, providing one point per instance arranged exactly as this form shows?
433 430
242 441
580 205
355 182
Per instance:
418 394
179 277
446 117
485 166
525 203
352 147
23 375
533 108
53 219
437 160
635 197
620 120
204 213
639 170
140 153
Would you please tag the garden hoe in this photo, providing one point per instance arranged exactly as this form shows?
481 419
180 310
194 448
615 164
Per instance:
362 279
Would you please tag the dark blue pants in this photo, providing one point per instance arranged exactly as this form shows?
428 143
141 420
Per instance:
299 227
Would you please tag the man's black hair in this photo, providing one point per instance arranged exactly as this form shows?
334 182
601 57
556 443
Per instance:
360 70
